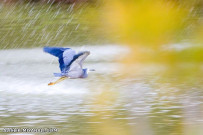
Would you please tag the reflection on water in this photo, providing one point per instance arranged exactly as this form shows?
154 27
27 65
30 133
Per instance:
148 101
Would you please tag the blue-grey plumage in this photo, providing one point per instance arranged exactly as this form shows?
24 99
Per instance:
70 62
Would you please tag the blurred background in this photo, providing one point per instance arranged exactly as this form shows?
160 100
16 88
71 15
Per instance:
147 54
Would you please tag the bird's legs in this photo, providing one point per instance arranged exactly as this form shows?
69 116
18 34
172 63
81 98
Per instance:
57 81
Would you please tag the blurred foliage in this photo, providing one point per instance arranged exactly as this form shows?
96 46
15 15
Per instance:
149 26
48 1
25 25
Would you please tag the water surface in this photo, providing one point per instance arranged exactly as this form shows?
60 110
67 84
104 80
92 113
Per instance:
144 99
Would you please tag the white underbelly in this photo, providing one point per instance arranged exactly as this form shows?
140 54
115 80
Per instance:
75 74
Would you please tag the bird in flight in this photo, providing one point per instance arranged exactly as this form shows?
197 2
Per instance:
70 63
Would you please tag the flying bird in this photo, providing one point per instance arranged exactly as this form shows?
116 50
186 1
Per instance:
70 63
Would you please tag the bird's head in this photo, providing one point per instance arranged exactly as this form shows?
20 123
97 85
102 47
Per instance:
91 70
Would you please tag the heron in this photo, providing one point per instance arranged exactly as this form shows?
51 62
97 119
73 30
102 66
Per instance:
70 63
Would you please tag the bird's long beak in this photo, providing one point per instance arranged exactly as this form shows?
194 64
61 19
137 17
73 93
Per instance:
57 81
92 70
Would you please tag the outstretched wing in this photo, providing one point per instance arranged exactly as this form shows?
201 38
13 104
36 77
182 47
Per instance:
79 58
55 51
65 55
68 56
76 65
